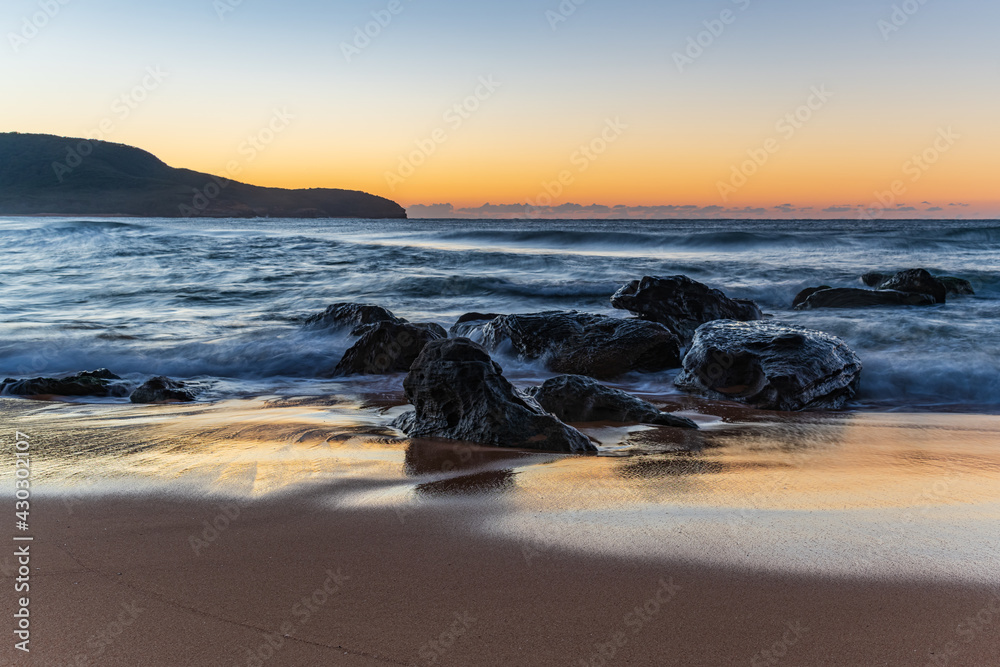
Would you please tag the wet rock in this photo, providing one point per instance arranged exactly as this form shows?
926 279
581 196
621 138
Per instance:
952 285
957 286
681 304
460 393
806 293
770 366
584 344
433 327
470 322
387 347
574 398
351 316
916 281
874 279
99 383
162 390
852 297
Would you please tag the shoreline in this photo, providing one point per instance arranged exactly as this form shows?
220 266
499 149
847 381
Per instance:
307 532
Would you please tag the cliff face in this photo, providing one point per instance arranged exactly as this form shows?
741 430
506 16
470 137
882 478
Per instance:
45 174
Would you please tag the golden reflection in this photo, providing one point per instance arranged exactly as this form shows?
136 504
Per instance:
782 462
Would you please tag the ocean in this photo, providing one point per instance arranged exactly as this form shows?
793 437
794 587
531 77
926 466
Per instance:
221 303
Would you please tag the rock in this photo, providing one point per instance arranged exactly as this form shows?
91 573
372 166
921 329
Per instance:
770 366
162 390
351 315
460 393
574 398
957 286
583 344
433 327
469 322
806 293
952 285
916 281
874 279
387 347
99 383
681 304
852 297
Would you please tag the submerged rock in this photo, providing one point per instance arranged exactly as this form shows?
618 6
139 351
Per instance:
162 390
874 279
583 344
574 398
916 281
351 315
387 347
99 383
806 293
770 366
957 286
952 285
460 393
854 297
681 304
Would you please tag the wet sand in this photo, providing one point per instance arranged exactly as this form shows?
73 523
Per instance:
791 540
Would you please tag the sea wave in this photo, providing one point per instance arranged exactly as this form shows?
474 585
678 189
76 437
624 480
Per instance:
223 301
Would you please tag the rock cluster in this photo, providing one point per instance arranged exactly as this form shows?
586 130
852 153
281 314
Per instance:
913 287
579 343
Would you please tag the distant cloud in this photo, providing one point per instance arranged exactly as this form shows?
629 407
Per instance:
573 210
431 211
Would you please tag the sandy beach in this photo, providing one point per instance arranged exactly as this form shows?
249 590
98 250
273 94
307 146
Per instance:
303 532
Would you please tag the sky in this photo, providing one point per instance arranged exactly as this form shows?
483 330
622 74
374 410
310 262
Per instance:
537 108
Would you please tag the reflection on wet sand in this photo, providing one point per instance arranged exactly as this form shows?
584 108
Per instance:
464 468
907 492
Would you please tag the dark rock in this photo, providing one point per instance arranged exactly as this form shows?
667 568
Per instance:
874 279
429 326
852 297
956 286
583 344
806 293
574 398
681 304
916 281
770 366
162 390
99 383
460 393
387 347
469 322
351 315
433 327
